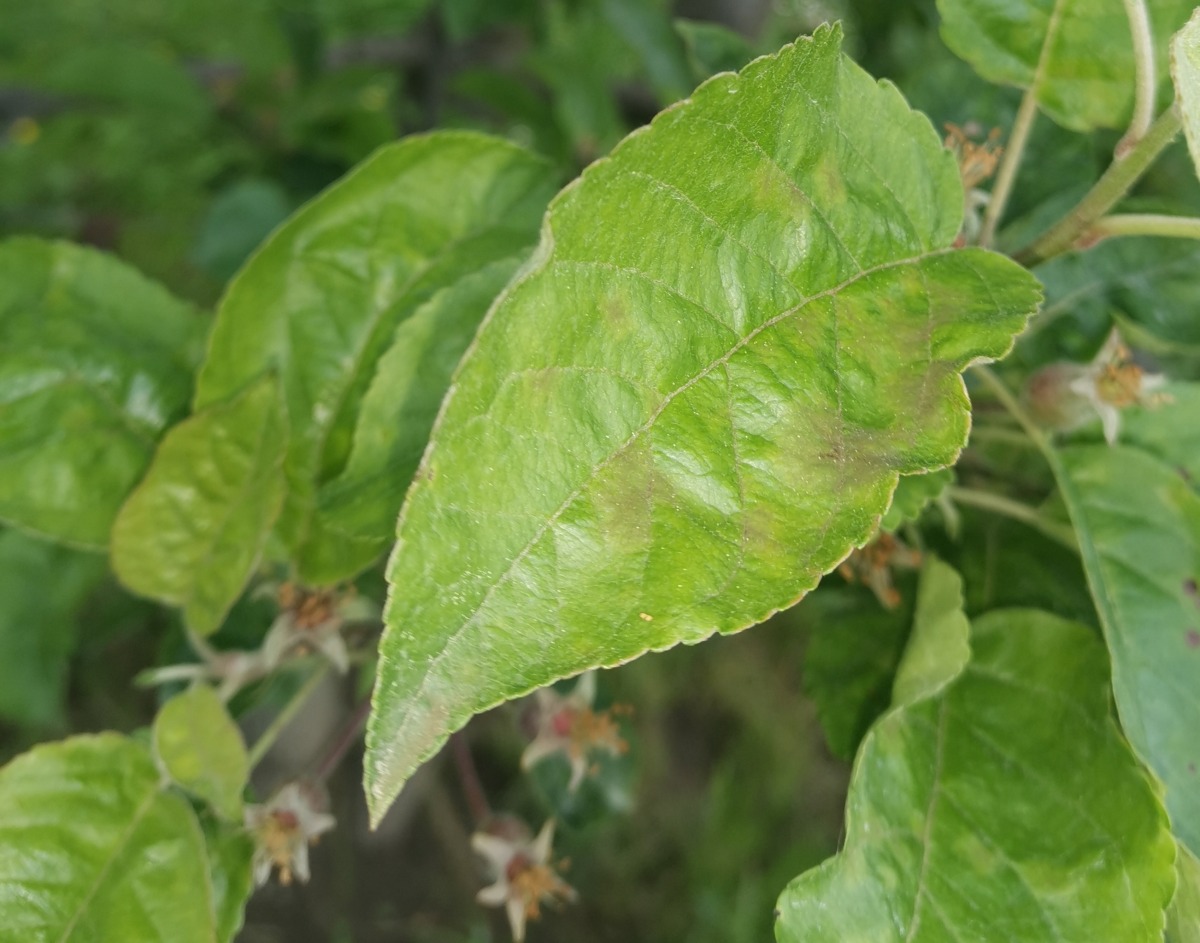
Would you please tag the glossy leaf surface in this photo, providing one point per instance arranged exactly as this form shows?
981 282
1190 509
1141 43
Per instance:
201 749
1138 523
1076 54
321 301
92 849
972 816
1185 68
193 530
736 333
95 362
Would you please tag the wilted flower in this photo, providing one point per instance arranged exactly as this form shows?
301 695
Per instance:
1064 396
282 830
567 725
311 620
872 566
524 876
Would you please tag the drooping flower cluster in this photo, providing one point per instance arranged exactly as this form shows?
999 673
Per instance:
282 830
872 566
524 878
567 725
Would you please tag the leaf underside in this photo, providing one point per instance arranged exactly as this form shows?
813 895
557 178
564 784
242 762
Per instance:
736 333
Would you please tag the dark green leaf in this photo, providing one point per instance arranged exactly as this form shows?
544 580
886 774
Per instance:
713 48
321 301
646 27
1006 807
92 849
201 749
192 532
1169 430
95 362
695 400
1138 524
240 218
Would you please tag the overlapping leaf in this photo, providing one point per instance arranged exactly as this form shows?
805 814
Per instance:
737 332
201 749
193 530
1185 68
972 817
95 362
938 649
1077 55
1138 523
320 303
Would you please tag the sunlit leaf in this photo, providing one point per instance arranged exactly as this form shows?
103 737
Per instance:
192 532
1183 916
201 749
1006 807
1138 523
95 362
92 848
937 649
1077 55
1185 68
736 333
321 302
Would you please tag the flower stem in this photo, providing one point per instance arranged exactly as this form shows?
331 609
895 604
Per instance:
999 504
1014 150
1145 224
472 788
1116 182
1144 76
264 743
345 739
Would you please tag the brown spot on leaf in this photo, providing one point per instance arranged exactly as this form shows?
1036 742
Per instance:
1193 638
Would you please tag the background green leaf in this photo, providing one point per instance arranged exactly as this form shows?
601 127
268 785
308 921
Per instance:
192 532
937 649
1006 807
1138 523
912 496
1077 55
92 848
95 363
201 749
1185 69
735 334
321 302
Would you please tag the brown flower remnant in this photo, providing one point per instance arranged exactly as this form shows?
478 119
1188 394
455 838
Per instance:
976 163
872 566
311 620
282 830
524 877
567 725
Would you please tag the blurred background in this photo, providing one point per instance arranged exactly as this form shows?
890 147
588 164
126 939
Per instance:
177 134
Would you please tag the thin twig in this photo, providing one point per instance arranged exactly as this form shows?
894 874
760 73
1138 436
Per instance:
346 737
1010 162
1145 77
472 788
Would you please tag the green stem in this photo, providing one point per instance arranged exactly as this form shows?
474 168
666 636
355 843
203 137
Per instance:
1001 434
1007 507
264 743
1116 182
1014 150
1146 81
1009 402
1146 224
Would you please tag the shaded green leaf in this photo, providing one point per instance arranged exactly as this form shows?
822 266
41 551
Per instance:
241 216
92 848
1169 430
193 530
201 749
1185 69
736 333
95 362
1138 524
913 494
321 301
713 48
41 587
230 853
646 27
1183 916
1077 55
937 649
1006 807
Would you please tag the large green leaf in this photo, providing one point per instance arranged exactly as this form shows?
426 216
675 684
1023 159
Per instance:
1183 917
938 649
1077 55
322 300
92 849
736 333
201 749
95 362
1006 807
230 855
193 530
41 588
1185 68
1138 523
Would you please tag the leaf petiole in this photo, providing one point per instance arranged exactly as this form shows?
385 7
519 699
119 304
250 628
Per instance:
1007 507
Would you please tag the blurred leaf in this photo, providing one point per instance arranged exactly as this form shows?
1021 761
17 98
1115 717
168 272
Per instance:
41 588
344 115
937 649
1076 55
1169 431
661 433
913 494
193 530
1138 524
95 362
239 219
321 301
713 48
230 851
1006 807
646 27
201 749
92 848
1185 68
